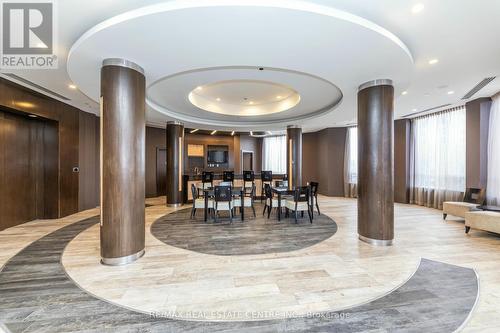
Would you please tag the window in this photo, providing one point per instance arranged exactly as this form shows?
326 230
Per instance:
352 155
438 144
274 154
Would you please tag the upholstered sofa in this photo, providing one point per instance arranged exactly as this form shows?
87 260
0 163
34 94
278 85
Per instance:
482 220
458 209
473 197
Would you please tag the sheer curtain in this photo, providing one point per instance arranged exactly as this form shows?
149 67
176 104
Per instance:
493 185
351 163
274 154
438 153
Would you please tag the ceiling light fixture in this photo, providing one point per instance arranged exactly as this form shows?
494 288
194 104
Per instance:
251 103
451 92
32 116
194 131
218 99
232 133
417 8
72 86
199 88
404 92
414 110
433 61
278 97
213 132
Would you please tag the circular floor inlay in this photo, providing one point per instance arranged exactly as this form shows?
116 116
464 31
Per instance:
257 235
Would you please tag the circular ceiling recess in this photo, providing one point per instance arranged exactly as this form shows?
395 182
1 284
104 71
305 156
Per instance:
321 53
213 97
244 97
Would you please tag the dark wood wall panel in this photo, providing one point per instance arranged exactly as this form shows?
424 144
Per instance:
330 160
65 121
27 169
155 139
309 157
88 185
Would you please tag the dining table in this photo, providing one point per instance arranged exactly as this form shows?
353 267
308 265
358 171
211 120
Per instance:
280 191
210 193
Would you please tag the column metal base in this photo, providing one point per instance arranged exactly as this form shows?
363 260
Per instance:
122 260
175 205
377 242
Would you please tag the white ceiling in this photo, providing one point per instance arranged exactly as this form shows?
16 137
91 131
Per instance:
462 34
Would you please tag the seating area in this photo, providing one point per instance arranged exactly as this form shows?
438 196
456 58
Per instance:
276 197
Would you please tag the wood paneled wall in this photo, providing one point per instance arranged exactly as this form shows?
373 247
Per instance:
28 169
402 160
155 139
69 185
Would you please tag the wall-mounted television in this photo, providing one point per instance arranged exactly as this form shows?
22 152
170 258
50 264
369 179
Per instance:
218 156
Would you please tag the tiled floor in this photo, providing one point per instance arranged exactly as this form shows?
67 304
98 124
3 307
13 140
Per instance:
336 273
37 296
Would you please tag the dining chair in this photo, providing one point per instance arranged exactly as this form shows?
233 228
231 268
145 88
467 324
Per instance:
248 180
199 202
223 201
266 177
247 201
228 176
314 197
270 202
300 202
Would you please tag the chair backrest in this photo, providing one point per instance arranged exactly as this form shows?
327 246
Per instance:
248 176
266 176
228 176
207 177
267 191
301 194
314 188
222 193
194 192
475 195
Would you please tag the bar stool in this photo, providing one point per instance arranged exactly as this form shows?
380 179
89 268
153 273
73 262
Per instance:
266 177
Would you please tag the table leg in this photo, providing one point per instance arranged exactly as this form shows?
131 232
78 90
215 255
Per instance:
205 194
279 206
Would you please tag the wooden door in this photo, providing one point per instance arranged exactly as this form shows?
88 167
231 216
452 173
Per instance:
247 161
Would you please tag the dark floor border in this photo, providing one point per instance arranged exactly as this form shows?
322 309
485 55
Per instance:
36 295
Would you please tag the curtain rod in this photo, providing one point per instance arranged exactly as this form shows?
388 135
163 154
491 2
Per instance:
456 108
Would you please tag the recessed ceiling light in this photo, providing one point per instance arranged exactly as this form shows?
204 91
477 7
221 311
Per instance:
32 115
251 103
72 86
417 8
199 88
278 97
218 99
414 110
213 132
433 61
194 131
232 133
451 92
404 92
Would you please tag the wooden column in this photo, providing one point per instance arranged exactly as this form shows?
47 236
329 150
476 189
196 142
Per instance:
175 159
294 156
122 162
375 162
